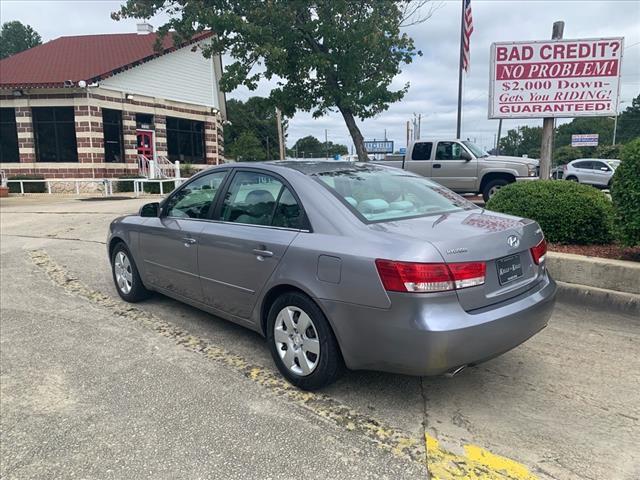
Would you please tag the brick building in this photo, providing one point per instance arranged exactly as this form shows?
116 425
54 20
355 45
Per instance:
89 106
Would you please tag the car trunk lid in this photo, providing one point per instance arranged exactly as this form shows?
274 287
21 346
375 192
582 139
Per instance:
476 235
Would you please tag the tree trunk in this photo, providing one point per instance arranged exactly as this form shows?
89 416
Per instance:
356 136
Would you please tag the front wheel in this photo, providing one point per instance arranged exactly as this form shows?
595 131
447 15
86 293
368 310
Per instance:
492 187
126 276
302 343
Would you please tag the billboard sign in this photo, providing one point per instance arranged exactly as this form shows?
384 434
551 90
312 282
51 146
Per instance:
584 140
379 146
556 78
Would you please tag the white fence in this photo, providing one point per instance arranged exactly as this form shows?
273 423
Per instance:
106 183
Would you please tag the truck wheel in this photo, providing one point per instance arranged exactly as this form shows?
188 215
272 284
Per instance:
492 187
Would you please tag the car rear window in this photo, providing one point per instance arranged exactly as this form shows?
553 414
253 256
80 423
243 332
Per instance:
377 194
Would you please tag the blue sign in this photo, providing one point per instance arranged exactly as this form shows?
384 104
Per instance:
584 140
403 151
379 146
337 156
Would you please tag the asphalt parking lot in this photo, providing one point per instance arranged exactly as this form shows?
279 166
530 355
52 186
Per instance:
92 387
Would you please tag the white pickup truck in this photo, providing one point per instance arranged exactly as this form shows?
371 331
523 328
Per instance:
464 167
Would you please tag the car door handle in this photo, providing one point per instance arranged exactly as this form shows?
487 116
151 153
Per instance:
263 252
436 165
188 241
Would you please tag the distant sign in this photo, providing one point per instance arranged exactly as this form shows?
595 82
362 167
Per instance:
379 146
403 151
585 140
558 78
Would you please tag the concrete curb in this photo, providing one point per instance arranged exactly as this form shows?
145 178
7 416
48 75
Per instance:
601 298
600 273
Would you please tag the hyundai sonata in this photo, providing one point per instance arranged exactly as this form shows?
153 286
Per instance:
341 264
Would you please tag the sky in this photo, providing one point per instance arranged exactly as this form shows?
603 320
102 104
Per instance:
433 77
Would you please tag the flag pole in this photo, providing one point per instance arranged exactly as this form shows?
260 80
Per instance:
459 123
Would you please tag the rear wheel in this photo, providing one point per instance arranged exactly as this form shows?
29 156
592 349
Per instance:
492 187
572 179
302 343
126 276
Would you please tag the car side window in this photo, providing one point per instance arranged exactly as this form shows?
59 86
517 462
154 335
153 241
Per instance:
195 198
584 165
449 151
422 151
288 213
251 198
600 166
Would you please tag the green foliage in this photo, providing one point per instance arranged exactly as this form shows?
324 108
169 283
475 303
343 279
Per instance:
247 148
625 193
629 122
563 155
187 169
29 187
311 147
603 126
568 212
16 37
608 151
257 117
522 141
326 54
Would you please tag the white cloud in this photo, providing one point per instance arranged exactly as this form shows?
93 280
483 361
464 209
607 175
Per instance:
433 77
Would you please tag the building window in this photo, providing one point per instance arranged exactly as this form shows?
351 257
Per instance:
55 134
8 136
112 128
185 140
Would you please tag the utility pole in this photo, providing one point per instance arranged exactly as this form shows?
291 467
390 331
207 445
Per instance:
498 140
419 125
280 133
546 149
407 135
326 146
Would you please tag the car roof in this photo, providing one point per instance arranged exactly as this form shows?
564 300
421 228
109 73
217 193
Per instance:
308 167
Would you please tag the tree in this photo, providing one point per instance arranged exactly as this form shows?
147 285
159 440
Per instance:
247 148
324 54
629 122
311 147
255 116
522 141
16 37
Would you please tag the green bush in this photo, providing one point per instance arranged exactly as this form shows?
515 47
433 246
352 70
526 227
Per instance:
148 187
608 151
29 187
625 193
566 154
568 212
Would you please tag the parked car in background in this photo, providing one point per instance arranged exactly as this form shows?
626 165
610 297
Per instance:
464 167
557 172
340 263
591 171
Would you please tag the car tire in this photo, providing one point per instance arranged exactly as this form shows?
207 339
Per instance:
293 350
492 187
125 275
571 178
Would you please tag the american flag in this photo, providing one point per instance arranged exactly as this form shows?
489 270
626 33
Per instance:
466 35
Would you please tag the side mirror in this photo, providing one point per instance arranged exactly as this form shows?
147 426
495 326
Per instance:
466 156
150 210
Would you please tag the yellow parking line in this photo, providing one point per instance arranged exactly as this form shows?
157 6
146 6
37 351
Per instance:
475 464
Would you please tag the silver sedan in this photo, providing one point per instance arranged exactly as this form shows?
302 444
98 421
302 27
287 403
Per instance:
341 264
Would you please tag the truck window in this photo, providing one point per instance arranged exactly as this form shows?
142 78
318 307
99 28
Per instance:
422 151
449 151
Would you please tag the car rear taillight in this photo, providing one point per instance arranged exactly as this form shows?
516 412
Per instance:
429 277
564 168
539 251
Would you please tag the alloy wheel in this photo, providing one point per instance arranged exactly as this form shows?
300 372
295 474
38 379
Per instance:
296 340
123 272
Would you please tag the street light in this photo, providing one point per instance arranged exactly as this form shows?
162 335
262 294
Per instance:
615 123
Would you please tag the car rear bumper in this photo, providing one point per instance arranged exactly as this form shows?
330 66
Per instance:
432 334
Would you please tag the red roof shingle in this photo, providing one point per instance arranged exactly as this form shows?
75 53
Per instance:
85 57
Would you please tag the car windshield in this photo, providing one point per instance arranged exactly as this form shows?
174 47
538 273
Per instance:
613 163
377 194
475 149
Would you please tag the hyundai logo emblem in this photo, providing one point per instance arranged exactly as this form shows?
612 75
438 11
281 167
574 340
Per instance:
513 241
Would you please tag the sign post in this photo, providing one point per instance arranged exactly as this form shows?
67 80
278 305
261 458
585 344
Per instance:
546 149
